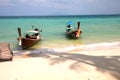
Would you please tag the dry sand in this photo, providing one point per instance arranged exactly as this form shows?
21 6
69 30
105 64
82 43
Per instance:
46 64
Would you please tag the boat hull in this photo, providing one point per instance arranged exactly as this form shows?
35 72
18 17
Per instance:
74 34
26 43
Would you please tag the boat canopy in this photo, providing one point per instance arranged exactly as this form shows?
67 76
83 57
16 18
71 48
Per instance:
31 32
71 23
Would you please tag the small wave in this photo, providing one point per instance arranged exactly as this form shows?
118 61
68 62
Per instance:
95 46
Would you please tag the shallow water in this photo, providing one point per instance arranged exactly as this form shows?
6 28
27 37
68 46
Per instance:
96 29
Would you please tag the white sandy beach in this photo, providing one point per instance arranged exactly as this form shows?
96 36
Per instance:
46 64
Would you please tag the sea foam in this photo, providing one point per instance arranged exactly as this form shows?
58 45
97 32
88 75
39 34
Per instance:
95 46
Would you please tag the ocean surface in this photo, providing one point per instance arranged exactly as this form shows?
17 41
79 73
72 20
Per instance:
97 30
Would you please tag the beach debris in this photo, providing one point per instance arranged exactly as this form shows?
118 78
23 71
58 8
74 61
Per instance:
5 52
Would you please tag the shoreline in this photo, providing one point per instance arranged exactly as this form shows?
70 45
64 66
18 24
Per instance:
70 49
56 64
48 64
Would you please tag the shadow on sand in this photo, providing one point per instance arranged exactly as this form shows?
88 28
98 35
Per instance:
102 63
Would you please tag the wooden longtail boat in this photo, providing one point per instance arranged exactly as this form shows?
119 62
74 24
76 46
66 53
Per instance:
31 38
73 33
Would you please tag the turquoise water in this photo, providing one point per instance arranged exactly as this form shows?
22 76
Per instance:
96 29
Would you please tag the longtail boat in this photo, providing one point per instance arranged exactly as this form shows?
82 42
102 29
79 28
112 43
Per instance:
73 33
29 39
